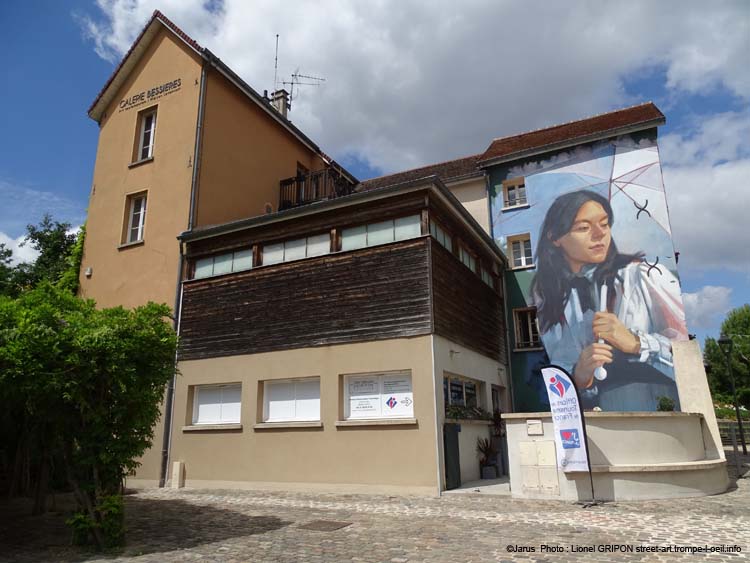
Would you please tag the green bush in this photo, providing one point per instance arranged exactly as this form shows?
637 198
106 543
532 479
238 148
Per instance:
459 412
665 404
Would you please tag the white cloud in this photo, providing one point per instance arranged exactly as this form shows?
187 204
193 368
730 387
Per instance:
21 252
23 205
707 306
707 174
410 83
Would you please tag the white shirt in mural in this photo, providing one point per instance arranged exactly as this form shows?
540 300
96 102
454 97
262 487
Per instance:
647 304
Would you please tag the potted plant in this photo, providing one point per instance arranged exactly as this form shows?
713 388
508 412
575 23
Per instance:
487 456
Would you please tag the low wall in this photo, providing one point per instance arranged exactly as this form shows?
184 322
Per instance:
634 456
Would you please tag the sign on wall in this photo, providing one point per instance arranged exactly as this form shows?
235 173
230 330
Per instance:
150 95
567 420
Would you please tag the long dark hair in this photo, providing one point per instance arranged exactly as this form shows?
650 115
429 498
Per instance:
551 287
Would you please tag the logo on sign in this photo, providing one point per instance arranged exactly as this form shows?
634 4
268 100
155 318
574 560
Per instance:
570 438
558 386
391 402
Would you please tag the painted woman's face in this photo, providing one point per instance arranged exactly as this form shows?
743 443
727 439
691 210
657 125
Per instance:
589 238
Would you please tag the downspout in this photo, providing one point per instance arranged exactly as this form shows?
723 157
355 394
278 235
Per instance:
169 410
508 352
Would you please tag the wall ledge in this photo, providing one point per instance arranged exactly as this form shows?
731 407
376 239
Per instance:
602 414
210 427
697 465
291 424
373 422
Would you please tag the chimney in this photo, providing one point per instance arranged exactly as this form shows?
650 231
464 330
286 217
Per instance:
280 101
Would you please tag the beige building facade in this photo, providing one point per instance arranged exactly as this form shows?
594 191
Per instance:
360 343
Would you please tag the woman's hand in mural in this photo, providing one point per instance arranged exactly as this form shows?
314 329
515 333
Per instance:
609 328
593 356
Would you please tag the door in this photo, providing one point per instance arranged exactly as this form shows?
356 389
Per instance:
450 455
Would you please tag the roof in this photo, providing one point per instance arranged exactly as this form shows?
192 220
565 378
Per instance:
424 183
132 57
450 170
136 51
575 132
524 144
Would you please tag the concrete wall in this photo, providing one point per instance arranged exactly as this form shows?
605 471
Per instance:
133 275
695 396
634 456
473 194
395 457
454 359
245 155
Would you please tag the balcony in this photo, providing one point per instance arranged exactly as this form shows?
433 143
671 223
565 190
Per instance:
302 189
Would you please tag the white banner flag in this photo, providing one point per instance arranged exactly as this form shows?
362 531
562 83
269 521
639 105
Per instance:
567 420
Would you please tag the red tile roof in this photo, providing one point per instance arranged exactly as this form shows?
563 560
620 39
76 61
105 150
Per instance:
506 147
581 129
167 22
446 171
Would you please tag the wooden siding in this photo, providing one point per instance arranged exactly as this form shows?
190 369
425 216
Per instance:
370 294
466 310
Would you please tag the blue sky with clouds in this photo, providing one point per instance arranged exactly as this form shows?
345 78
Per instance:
408 85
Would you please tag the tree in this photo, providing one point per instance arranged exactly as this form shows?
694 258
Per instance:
737 327
83 387
54 242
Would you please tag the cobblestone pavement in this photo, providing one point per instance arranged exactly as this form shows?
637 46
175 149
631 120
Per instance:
251 526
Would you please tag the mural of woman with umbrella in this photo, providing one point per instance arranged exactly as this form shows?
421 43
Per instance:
599 308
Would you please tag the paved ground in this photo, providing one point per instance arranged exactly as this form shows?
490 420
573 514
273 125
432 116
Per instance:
247 526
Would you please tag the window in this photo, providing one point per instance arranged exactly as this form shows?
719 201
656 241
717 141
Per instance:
461 391
217 404
224 263
514 192
382 232
520 251
291 400
487 278
136 218
468 260
380 395
441 236
296 249
146 134
527 328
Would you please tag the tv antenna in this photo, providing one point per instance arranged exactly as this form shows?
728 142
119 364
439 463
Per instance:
302 80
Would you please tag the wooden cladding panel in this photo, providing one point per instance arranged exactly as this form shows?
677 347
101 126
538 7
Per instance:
466 310
370 294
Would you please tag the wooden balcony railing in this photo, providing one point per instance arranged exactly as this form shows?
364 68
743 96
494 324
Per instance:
302 189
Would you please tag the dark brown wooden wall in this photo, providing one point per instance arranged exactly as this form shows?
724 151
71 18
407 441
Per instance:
369 294
466 310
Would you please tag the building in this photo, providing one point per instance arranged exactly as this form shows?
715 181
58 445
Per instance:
332 331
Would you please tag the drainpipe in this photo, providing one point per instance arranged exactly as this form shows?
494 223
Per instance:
508 351
168 412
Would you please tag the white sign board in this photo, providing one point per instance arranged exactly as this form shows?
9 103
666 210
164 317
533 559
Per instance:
567 420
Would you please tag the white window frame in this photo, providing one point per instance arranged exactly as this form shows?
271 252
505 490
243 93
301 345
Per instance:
400 228
518 186
138 227
380 408
223 387
295 383
463 381
525 261
440 235
143 143
527 316
487 277
309 248
468 259
234 267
